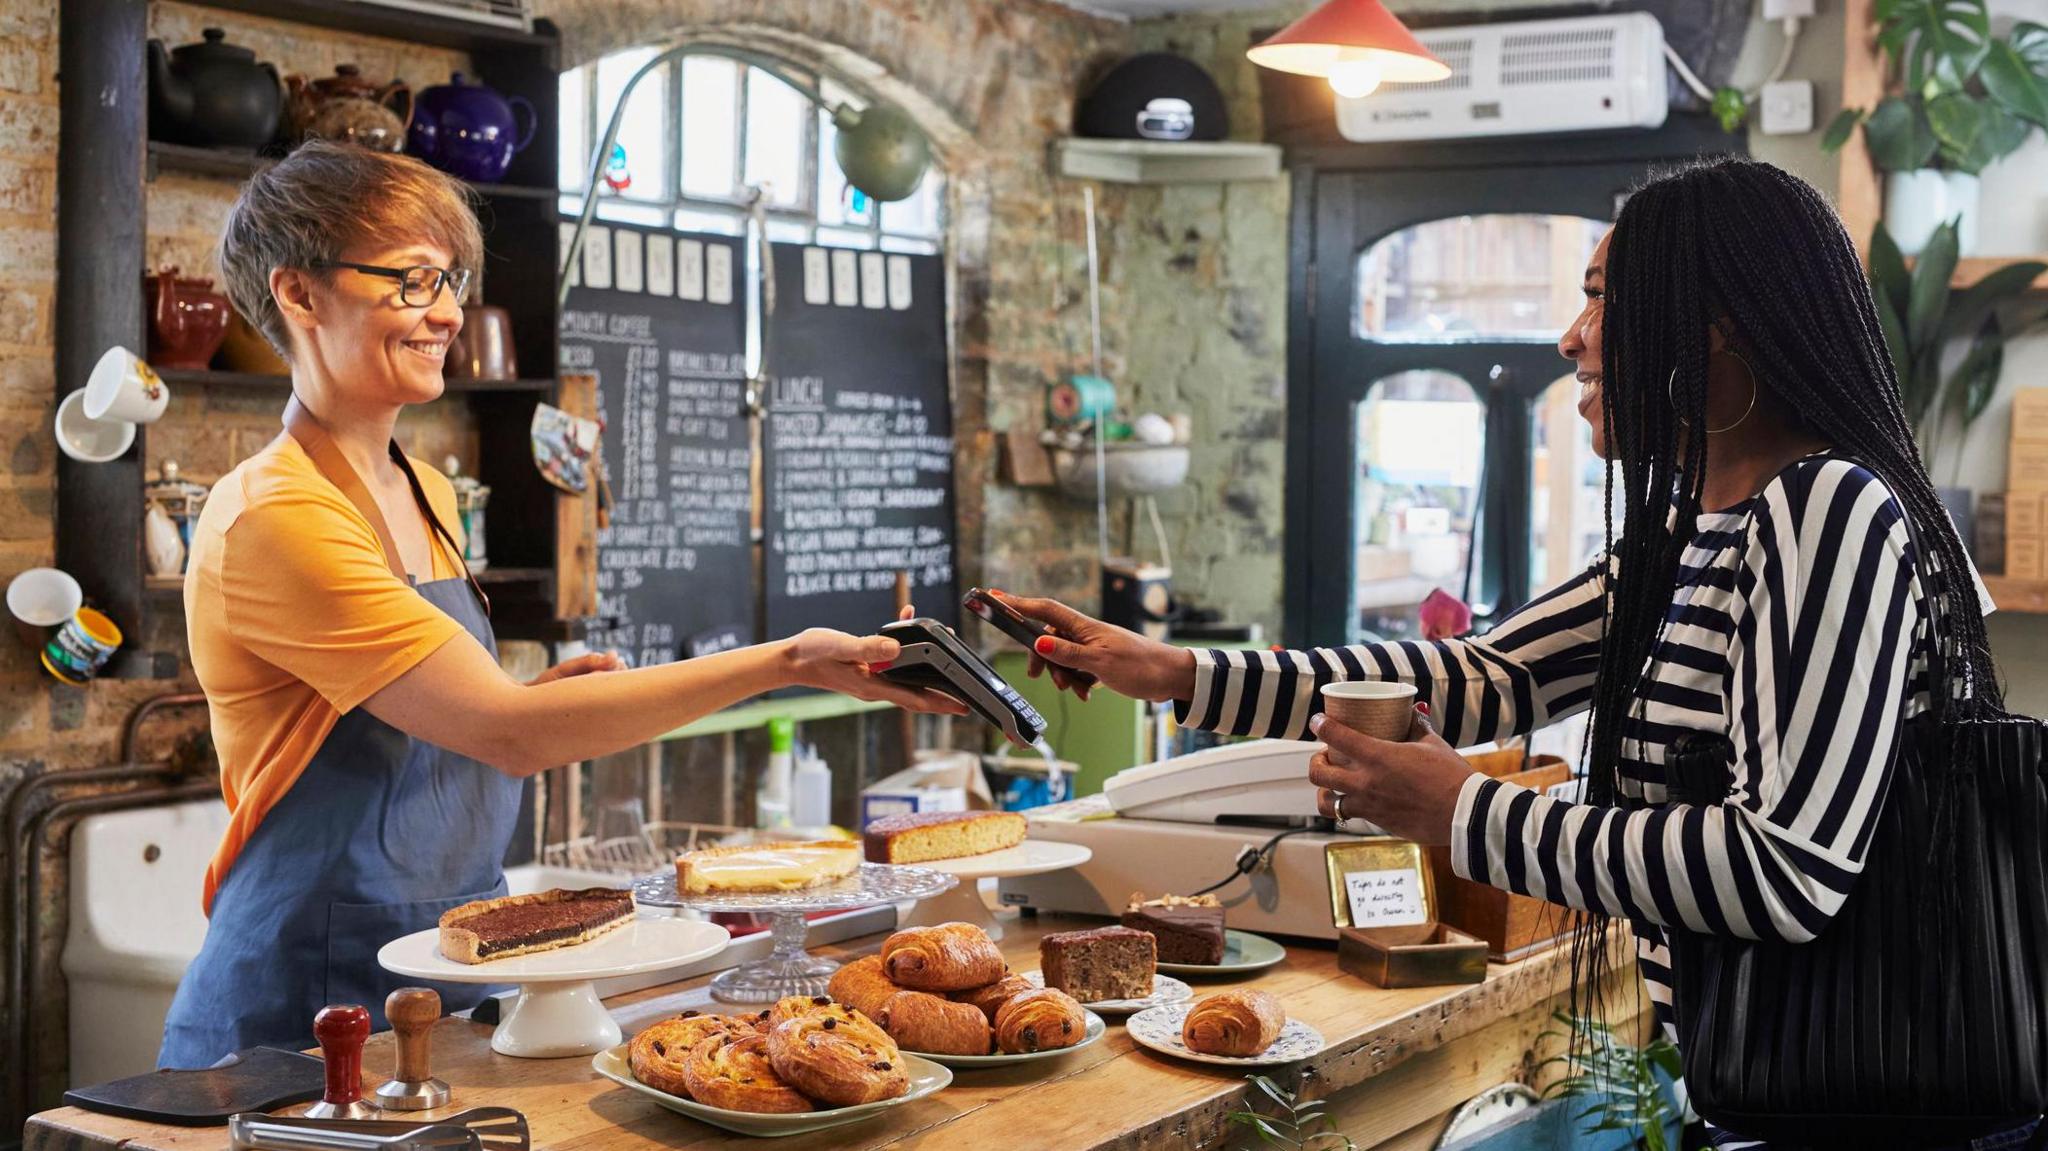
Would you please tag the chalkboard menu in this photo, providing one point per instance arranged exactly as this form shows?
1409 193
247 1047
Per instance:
658 318
858 442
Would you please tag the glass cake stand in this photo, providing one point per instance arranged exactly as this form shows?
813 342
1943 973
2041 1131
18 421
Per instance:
789 969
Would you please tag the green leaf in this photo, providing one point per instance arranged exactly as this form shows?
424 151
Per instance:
1966 311
1899 135
1845 122
1947 38
1888 275
1730 107
1928 300
2030 42
1894 329
2011 81
1976 378
1973 132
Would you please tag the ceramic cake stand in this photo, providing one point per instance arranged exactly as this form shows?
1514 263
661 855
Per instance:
963 904
788 969
558 1012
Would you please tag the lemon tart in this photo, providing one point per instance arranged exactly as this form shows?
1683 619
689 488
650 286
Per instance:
757 867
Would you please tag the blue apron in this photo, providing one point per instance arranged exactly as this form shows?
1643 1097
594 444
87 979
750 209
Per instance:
379 836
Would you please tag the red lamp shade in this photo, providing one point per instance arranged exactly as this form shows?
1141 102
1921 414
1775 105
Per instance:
1353 33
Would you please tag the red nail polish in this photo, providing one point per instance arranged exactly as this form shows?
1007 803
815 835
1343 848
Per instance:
1044 645
1423 708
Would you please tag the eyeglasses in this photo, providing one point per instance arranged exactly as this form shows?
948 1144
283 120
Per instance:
418 286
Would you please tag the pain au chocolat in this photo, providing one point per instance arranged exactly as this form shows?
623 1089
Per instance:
488 929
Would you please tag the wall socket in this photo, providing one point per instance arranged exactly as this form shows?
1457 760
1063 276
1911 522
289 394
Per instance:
1787 108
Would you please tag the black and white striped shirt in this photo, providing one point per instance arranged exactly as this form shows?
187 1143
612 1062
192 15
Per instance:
1793 630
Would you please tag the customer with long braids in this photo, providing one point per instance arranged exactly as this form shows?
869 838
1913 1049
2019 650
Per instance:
1785 571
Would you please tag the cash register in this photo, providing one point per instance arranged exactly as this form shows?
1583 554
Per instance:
1184 824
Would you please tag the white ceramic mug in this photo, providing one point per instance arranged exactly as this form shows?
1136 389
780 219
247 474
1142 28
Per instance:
88 440
40 599
122 387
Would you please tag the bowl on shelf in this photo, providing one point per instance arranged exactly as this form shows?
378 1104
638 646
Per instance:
1131 469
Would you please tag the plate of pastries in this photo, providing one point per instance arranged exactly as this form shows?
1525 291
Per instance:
1113 970
805 1064
1239 1027
945 993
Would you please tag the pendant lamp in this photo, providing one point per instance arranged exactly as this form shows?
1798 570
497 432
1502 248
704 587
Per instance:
1354 44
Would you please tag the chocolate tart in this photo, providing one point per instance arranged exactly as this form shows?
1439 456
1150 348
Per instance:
1187 930
510 925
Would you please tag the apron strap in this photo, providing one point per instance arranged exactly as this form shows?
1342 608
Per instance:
328 460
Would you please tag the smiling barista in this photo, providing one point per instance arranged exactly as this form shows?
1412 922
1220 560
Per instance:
371 748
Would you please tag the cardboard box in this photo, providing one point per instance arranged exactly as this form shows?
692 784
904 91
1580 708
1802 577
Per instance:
2022 514
2023 558
2030 414
2027 468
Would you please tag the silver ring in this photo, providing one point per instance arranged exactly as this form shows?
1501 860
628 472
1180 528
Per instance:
1337 804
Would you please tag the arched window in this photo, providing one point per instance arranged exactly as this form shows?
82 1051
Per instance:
704 130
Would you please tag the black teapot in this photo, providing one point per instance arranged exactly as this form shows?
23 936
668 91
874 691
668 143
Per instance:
213 95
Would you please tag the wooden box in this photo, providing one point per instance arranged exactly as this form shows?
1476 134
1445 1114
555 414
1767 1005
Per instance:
2030 414
2022 514
2023 558
2027 468
1425 955
1512 926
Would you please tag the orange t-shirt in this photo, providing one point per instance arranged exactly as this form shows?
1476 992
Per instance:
294 619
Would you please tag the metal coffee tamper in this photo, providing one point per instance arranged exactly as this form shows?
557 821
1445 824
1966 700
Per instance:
413 1011
341 1031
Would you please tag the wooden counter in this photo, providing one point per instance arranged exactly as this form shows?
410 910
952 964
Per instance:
1395 1064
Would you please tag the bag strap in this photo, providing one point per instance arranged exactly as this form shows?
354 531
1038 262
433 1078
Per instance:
331 464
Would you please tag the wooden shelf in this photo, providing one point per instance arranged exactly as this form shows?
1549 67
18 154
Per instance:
233 164
801 709
2024 596
1971 269
187 377
1164 161
396 23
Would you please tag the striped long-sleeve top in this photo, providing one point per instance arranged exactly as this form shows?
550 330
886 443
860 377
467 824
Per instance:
1792 630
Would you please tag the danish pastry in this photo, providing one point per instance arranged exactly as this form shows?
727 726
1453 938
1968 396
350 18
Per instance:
838 1057
991 998
862 985
1040 1020
921 1021
735 1072
1236 1022
793 1007
658 1053
948 957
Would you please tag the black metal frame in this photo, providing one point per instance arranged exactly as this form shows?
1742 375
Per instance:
1346 197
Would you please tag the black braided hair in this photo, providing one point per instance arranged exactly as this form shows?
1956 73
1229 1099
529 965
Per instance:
1744 246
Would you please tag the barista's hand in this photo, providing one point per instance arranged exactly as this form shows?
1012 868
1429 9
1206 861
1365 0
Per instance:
843 663
1122 661
585 664
1410 789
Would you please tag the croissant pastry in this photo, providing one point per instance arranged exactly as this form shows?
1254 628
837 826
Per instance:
1040 1020
990 999
1236 1022
924 1022
792 1007
733 1071
949 957
838 1057
862 985
658 1053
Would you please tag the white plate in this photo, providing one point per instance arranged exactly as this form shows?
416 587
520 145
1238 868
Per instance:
1031 857
1242 952
1159 1029
642 945
925 1078
1166 990
1096 1028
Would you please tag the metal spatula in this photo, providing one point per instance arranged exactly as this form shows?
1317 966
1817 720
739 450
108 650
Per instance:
477 1129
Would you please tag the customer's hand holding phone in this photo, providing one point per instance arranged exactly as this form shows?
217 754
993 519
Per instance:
1080 649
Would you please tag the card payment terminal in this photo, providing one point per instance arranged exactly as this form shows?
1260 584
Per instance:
933 657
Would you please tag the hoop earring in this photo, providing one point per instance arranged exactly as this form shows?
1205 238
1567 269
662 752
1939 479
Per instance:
1671 382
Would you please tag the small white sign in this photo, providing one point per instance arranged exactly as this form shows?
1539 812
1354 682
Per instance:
661 266
689 269
567 232
874 293
627 263
597 256
1385 898
718 273
1566 789
817 277
845 278
899 282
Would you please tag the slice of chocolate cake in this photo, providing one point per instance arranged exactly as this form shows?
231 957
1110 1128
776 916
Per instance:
1188 929
511 925
1105 963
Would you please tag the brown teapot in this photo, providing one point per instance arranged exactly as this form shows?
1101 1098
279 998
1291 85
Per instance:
187 319
348 108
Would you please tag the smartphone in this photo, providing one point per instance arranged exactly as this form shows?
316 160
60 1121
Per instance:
1017 626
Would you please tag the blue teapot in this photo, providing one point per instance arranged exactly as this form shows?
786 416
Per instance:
469 130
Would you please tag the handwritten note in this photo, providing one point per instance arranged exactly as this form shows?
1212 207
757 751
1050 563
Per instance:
1390 898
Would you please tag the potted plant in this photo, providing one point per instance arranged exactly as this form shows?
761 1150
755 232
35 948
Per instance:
1921 318
1966 98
